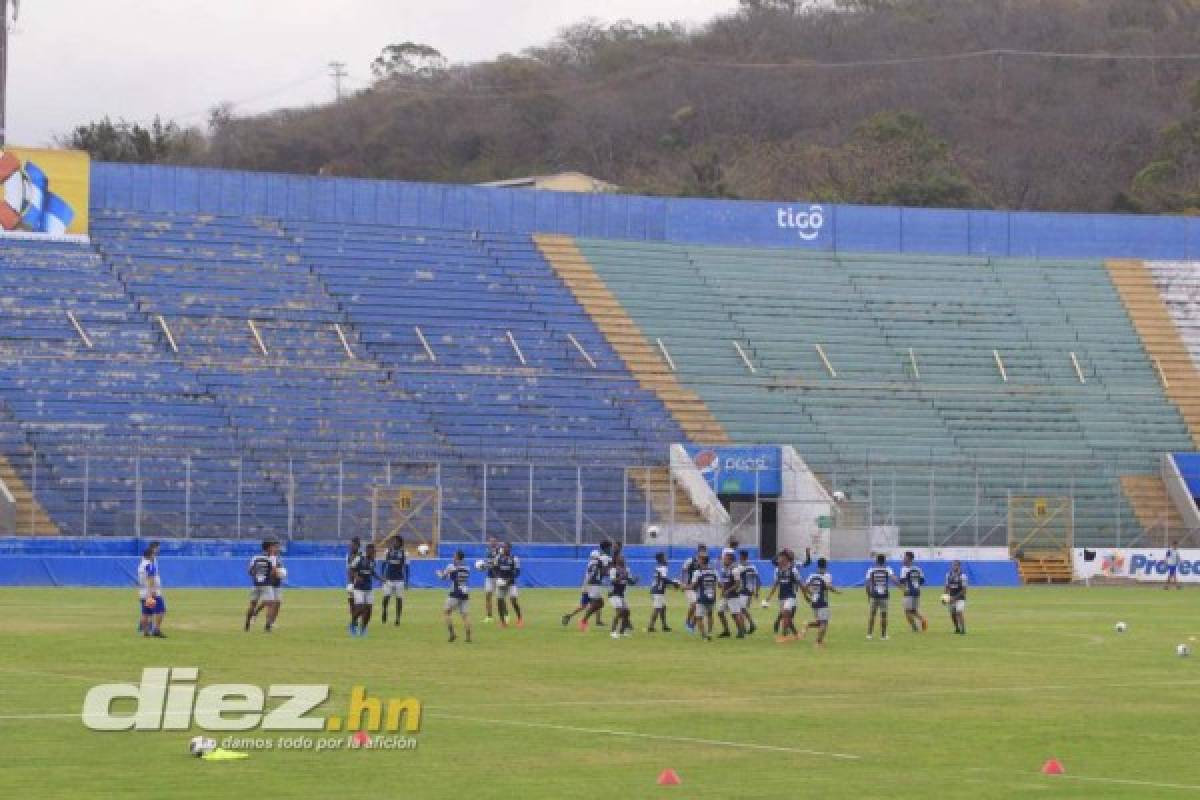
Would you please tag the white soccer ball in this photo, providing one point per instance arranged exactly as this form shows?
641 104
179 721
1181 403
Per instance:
1183 650
1121 627
281 573
201 745
422 549
839 496
945 599
479 564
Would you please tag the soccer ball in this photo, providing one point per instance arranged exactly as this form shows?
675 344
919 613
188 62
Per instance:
281 573
201 745
479 564
839 496
1183 650
1121 627
422 549
945 599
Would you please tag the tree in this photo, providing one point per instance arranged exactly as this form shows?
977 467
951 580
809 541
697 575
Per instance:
407 60
1171 181
131 142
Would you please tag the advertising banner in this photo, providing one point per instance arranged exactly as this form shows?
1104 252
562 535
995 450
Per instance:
45 192
745 471
1140 564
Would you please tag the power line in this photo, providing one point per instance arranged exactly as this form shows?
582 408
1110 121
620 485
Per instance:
960 56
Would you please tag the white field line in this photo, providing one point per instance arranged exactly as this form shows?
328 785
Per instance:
1128 782
636 735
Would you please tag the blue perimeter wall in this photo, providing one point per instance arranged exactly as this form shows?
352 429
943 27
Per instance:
205 564
785 224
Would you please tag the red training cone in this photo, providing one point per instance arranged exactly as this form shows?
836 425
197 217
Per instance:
1052 767
362 739
668 777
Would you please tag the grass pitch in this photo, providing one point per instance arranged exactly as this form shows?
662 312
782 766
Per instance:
549 712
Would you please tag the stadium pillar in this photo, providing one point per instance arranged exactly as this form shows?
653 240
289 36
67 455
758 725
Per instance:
341 489
33 484
137 496
529 519
483 506
87 479
238 513
578 505
187 497
624 501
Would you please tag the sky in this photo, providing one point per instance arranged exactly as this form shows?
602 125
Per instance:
72 61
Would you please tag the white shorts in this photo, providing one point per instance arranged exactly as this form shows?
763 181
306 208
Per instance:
787 604
617 602
704 609
595 592
735 604
393 589
364 597
350 590
264 594
912 603
690 594
958 606
489 584
459 604
506 591
821 614
659 600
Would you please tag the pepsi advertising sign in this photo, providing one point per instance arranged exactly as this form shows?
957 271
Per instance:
743 471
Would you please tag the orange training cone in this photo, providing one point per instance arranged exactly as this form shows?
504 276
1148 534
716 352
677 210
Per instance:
1052 767
668 777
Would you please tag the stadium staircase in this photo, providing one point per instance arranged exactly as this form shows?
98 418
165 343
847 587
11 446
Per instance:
1045 568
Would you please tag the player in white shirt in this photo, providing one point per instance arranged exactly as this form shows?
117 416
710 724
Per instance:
150 599
595 573
1172 562
658 592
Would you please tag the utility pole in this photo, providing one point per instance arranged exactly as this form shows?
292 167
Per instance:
337 71
4 66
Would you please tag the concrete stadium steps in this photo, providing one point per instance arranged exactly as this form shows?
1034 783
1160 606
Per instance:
1045 568
1155 510
640 356
669 502
1161 338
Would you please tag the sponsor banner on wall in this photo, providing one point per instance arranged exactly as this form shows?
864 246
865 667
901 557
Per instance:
742 471
45 192
1141 564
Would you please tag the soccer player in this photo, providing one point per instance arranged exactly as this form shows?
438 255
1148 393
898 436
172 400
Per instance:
152 604
690 565
508 569
787 577
751 585
489 580
956 587
619 580
459 575
364 577
817 590
705 583
1172 562
913 578
395 576
658 592
791 557
354 548
877 584
592 601
731 596
263 577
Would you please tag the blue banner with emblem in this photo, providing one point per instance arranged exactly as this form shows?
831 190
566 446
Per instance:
744 471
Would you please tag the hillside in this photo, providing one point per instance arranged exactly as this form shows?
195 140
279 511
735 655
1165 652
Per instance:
1032 104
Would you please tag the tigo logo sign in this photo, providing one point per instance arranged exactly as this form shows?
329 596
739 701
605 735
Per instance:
806 222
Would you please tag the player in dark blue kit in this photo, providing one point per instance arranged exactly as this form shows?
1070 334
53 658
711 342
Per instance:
956 599
352 552
816 590
877 584
620 578
594 575
265 591
658 592
690 565
705 583
395 576
507 568
489 579
363 576
787 578
459 576
751 584
912 578
731 595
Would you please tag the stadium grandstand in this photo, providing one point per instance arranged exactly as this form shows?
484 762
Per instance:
239 355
